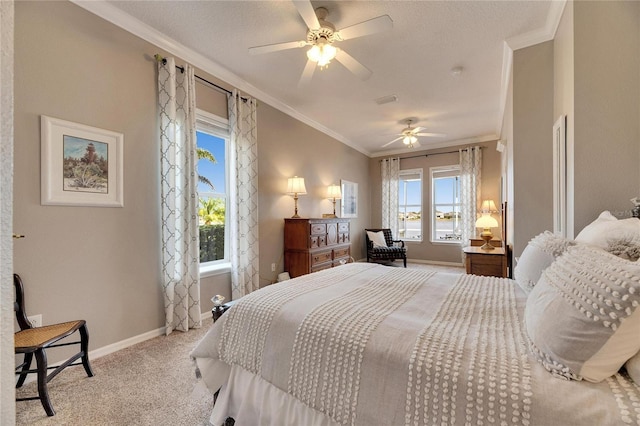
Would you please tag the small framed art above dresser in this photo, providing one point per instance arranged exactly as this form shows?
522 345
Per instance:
311 245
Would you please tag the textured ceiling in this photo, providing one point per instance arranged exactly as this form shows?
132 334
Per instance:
413 61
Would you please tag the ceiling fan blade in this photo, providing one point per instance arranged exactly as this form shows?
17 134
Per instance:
372 26
308 14
352 65
268 48
430 134
415 130
305 78
389 143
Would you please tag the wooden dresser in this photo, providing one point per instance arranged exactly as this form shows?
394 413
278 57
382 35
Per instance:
314 244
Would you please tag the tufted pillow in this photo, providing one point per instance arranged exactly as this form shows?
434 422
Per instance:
633 368
607 227
539 253
377 238
582 317
627 247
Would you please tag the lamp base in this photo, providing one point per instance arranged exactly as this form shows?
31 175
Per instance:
486 235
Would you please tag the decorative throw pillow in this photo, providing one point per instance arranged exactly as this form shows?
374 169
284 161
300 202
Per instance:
633 368
607 227
582 317
377 238
627 247
539 253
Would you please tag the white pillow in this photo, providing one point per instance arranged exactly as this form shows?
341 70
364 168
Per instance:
607 227
539 253
582 317
633 368
377 238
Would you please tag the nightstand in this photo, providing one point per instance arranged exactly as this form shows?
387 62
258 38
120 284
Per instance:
491 263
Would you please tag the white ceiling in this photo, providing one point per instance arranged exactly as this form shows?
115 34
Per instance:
413 61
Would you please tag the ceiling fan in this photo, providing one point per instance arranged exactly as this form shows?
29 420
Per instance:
321 36
409 135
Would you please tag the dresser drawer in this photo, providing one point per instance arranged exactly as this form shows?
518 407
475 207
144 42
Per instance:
321 266
321 257
341 252
343 227
318 228
343 238
316 241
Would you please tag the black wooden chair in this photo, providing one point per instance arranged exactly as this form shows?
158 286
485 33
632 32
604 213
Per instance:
32 341
395 248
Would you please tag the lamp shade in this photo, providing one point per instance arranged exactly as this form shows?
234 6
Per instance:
488 206
486 221
333 191
296 186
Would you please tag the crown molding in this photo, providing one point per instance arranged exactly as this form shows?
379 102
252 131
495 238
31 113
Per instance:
431 147
132 25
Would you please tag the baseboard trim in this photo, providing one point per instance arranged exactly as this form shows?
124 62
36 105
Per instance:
435 262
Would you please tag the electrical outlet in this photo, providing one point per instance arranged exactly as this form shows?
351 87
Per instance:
35 320
273 267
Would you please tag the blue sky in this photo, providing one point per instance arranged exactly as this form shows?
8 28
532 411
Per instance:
76 147
444 192
215 172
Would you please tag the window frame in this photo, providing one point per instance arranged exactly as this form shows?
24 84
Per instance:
419 171
434 171
217 126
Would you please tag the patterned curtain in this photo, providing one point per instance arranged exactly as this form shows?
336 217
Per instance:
390 171
180 245
470 178
244 196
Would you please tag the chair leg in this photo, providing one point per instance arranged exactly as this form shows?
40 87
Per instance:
43 394
28 357
405 261
84 346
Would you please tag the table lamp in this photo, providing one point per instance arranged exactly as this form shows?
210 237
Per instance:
486 222
296 187
333 192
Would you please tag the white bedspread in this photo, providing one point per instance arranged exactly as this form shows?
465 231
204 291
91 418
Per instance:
364 344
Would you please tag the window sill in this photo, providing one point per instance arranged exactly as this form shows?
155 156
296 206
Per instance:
447 243
213 270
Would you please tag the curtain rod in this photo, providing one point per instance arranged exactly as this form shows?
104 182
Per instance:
425 155
213 85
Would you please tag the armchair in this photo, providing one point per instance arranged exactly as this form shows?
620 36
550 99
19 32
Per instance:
389 253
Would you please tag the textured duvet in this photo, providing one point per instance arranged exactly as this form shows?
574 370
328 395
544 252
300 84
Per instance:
364 344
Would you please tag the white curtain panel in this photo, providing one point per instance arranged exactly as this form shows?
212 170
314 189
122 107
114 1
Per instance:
470 179
390 172
243 212
180 244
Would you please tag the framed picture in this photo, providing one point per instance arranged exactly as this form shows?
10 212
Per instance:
80 165
349 202
560 176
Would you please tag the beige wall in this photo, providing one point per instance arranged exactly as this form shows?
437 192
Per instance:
102 264
426 250
532 143
606 106
592 71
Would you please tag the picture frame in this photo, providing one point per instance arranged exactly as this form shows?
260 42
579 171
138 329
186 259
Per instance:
80 165
349 201
560 176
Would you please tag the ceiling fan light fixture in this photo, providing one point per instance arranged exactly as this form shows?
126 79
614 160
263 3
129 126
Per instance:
409 140
322 53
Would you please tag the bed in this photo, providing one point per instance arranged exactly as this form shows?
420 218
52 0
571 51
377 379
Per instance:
365 344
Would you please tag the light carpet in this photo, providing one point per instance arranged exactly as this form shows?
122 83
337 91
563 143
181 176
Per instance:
151 383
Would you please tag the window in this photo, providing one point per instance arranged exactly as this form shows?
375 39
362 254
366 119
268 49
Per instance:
445 210
212 134
410 205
